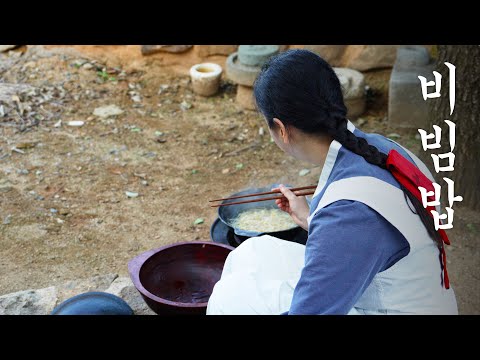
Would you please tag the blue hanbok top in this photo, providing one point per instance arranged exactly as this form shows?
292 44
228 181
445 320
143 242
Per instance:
348 242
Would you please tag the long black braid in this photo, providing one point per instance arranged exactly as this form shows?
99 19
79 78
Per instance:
302 90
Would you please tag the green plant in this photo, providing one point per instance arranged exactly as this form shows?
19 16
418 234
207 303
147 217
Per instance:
104 76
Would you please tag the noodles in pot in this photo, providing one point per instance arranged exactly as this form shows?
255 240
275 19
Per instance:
263 220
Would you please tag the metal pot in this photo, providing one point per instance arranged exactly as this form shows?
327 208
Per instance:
227 214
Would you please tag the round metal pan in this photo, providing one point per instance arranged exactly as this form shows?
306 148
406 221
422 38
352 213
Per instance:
227 214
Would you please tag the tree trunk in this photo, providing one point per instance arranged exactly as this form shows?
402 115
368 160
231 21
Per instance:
466 116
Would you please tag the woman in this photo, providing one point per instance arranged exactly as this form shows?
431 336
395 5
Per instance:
372 247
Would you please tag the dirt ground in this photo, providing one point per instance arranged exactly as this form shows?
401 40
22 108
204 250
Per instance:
64 213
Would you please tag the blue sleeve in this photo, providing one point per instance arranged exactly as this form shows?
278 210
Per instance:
348 244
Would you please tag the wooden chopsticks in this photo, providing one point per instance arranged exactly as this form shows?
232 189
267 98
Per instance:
313 187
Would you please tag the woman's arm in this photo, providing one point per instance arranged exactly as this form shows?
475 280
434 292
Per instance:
348 244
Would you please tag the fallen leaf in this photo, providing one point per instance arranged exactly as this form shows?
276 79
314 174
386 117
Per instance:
25 145
304 172
198 221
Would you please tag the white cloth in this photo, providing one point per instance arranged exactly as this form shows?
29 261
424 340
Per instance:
258 277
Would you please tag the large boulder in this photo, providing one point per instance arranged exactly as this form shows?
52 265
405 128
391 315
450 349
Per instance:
368 57
331 53
75 287
358 57
7 47
124 288
43 301
29 302
353 89
152 49
209 50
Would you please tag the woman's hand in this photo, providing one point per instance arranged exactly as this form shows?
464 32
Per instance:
296 206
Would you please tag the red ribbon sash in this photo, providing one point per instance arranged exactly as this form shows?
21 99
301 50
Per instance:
410 177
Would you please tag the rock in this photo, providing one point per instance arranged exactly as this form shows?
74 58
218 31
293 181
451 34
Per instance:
355 107
152 49
136 98
256 55
239 73
29 302
131 194
7 220
8 91
124 288
7 47
352 82
208 50
43 301
353 88
5 186
406 107
330 53
18 150
76 287
107 111
245 97
184 105
358 57
368 57
76 123
304 172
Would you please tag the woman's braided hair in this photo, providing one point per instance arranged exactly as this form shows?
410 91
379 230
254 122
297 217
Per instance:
301 89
